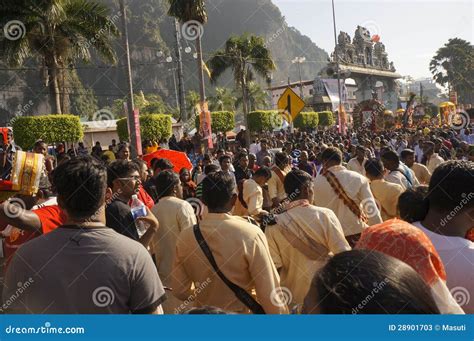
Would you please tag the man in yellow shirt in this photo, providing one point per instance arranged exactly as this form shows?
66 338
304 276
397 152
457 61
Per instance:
433 159
386 193
347 194
421 171
276 190
304 237
250 201
240 250
356 164
174 215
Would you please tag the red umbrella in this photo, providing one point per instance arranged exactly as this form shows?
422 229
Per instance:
178 159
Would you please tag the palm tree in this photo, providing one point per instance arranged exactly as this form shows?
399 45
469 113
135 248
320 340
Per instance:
192 100
187 11
222 100
256 97
57 32
246 55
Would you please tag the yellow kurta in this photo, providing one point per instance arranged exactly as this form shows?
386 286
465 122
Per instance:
241 252
434 161
253 197
386 194
275 186
422 173
357 188
296 270
174 216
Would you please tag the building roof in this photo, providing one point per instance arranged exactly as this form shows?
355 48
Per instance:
291 85
369 71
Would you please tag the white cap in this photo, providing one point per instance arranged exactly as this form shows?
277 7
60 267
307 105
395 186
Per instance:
134 197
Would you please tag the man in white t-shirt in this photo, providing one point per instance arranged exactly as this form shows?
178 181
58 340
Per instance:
449 225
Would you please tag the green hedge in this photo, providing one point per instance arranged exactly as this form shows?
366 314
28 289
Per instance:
305 120
222 121
264 120
152 127
49 128
326 118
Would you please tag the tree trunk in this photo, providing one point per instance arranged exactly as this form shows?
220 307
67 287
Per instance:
55 96
202 90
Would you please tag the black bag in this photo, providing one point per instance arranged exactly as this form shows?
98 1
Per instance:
241 294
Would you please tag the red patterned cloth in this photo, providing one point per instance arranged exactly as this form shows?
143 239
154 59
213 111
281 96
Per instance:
409 244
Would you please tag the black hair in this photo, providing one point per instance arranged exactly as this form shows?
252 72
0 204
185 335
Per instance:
39 143
206 310
374 168
223 157
81 184
368 282
162 164
360 147
449 186
295 180
210 169
406 152
412 204
140 163
165 182
264 172
281 159
120 169
331 154
217 189
390 155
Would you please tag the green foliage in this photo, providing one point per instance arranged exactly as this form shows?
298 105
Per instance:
453 64
306 120
222 121
153 127
256 96
326 119
264 120
49 128
146 104
222 100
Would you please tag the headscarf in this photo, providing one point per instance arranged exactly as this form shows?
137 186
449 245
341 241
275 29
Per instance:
401 240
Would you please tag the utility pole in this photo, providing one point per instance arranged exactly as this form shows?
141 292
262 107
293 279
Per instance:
182 98
341 125
135 141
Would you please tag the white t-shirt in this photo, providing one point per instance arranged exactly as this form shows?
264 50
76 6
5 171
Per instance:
457 255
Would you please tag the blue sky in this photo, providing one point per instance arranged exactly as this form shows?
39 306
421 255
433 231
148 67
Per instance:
412 31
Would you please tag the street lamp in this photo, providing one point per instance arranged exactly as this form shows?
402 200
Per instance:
299 61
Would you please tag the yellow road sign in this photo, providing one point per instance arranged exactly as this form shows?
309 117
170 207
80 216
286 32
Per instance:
290 102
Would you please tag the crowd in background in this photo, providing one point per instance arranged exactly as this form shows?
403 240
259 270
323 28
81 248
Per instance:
302 222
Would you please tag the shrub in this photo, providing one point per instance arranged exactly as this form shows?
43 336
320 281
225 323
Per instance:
222 121
264 120
306 120
152 127
49 128
326 118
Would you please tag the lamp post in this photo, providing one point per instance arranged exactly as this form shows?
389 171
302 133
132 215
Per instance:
339 112
299 61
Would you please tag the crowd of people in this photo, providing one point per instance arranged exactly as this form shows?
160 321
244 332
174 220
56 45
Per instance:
292 222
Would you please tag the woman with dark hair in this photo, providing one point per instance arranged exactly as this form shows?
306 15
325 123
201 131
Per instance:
188 185
123 152
368 282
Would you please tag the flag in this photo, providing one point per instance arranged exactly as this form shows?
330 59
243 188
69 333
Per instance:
205 68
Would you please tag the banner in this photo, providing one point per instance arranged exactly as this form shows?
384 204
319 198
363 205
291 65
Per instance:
333 92
205 124
138 147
